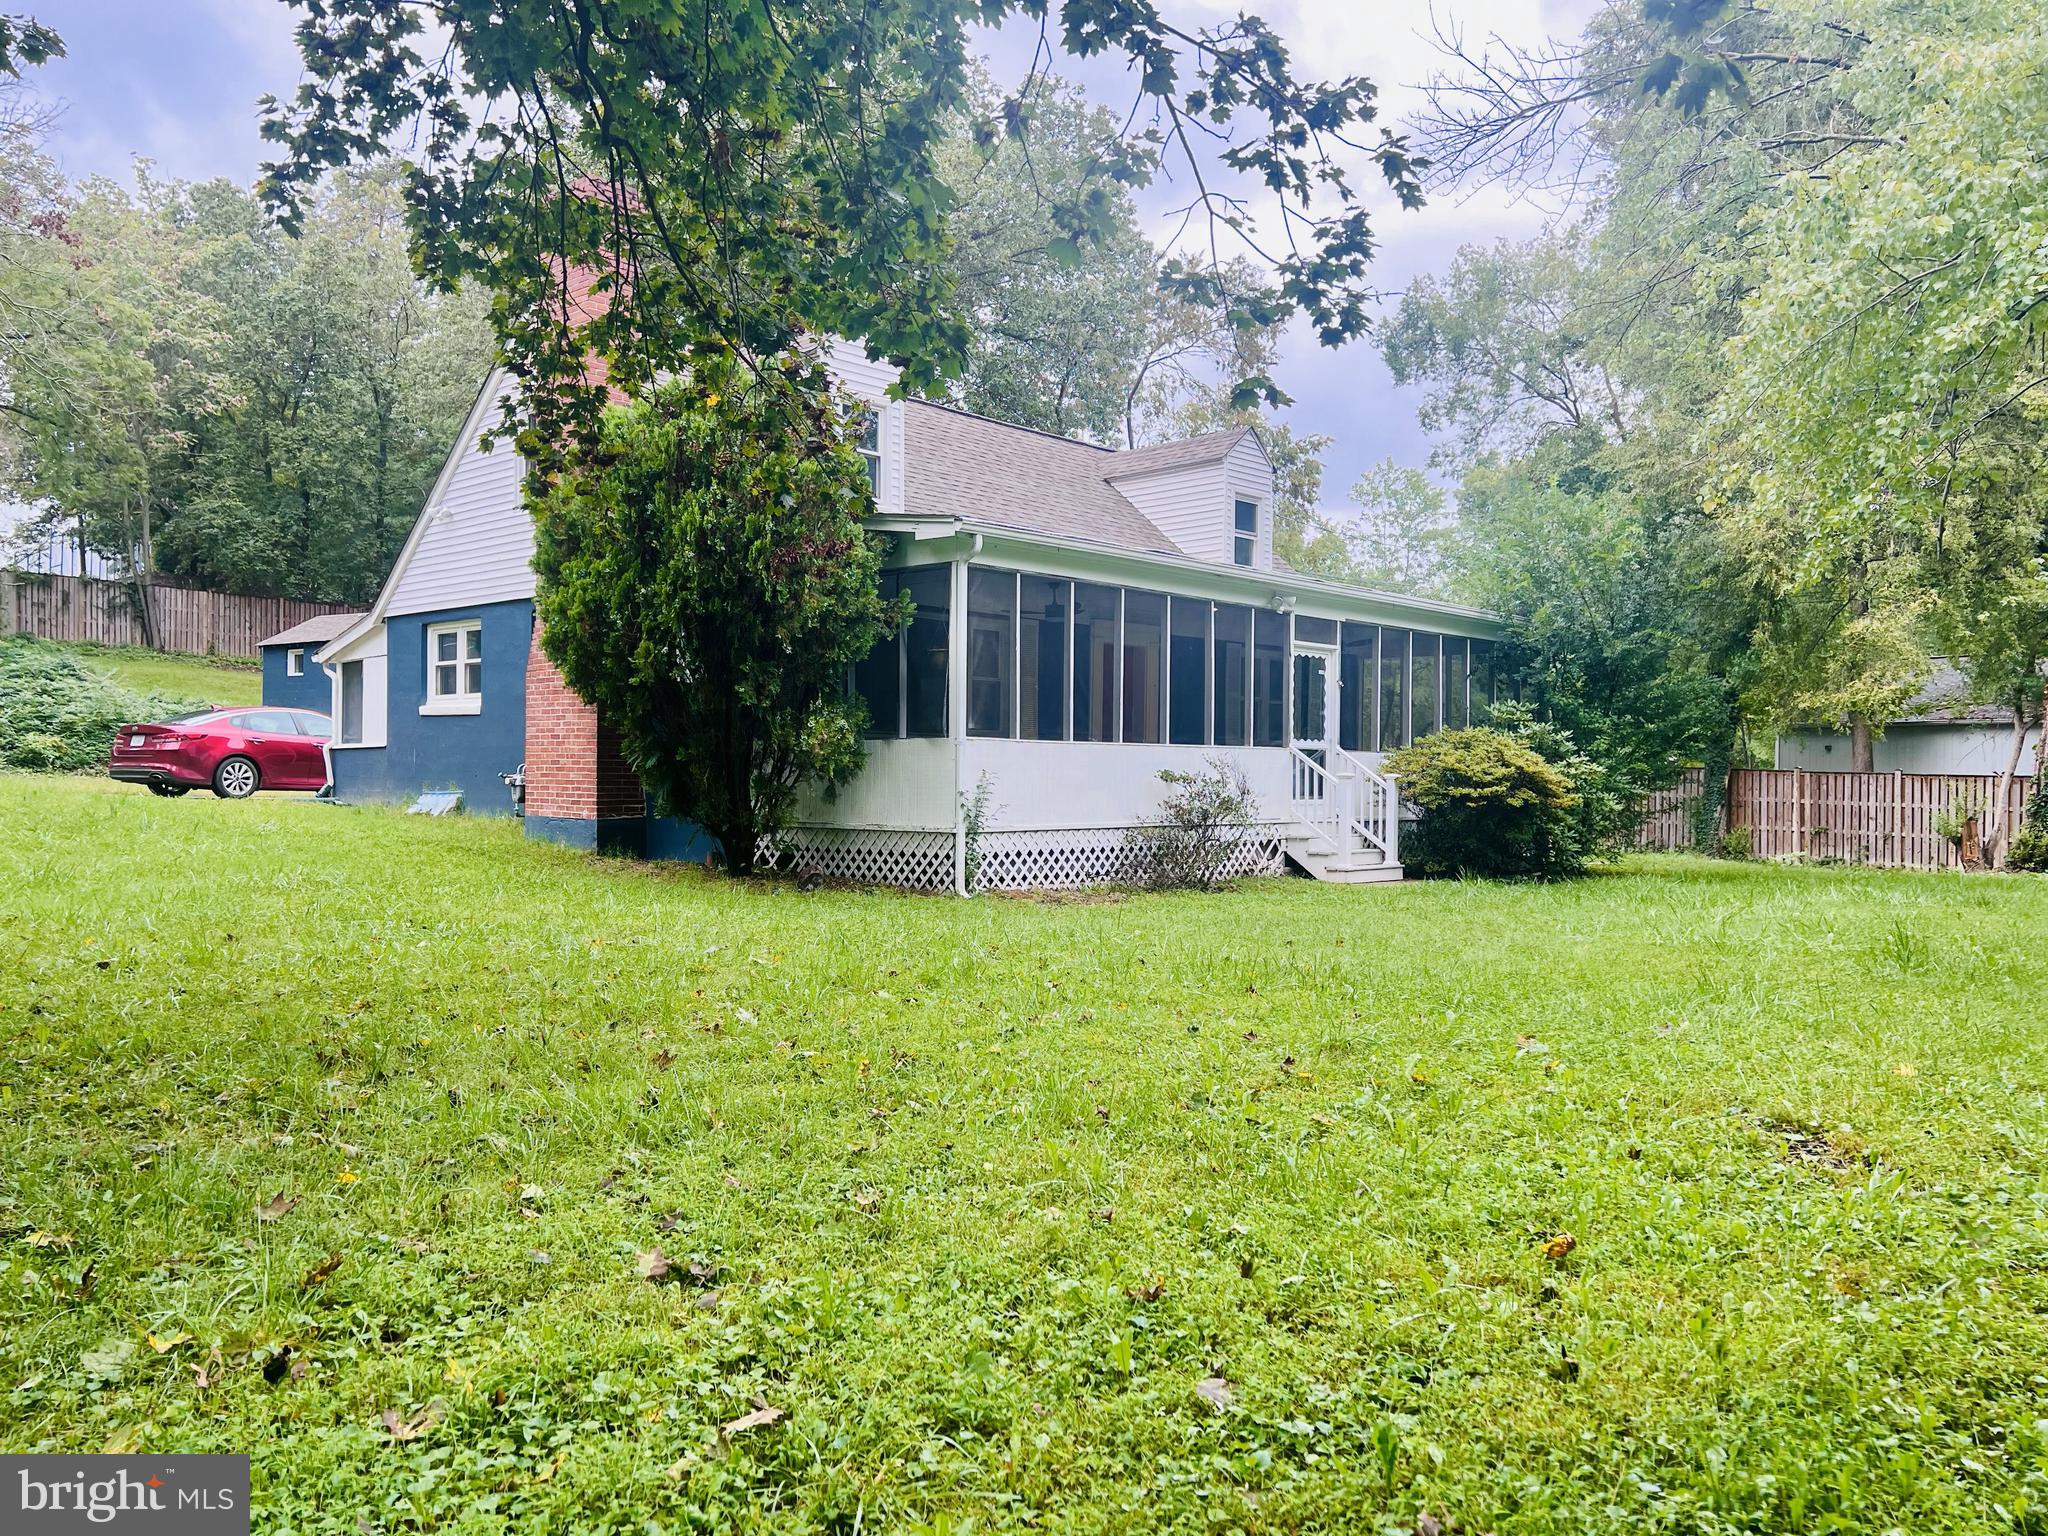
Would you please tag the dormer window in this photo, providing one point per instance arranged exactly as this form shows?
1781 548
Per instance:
870 443
1244 542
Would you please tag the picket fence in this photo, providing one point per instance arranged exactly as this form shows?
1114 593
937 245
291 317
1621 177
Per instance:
1881 819
78 608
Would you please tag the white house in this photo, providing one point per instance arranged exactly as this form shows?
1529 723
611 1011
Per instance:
1085 618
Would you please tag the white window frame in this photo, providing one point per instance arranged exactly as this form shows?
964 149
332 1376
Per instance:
1241 538
869 422
295 662
465 700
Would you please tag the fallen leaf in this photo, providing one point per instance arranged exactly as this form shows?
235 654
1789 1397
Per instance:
347 1176
125 1441
363 1524
760 1418
1427 1524
320 1272
652 1265
1529 1045
664 1059
868 1200
1905 1069
1558 1244
401 1429
207 1372
276 1207
168 1342
698 1273
1147 1293
1215 1391
40 1239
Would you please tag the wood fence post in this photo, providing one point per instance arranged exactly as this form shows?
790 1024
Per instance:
6 601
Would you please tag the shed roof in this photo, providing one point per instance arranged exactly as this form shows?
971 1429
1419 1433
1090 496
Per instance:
317 630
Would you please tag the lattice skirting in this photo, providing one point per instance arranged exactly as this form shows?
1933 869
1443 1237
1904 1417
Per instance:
1009 861
918 861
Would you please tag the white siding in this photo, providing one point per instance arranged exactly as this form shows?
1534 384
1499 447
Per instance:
1042 785
871 381
475 543
906 783
369 650
1249 475
1188 505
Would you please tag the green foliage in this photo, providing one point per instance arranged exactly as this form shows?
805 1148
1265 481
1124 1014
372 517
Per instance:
58 712
24 40
1402 535
2029 848
248 411
1607 812
1189 843
1491 806
706 582
740 179
983 1190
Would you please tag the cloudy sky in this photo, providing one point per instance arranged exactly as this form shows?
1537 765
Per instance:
177 81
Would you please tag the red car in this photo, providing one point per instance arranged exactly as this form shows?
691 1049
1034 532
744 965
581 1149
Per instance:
233 752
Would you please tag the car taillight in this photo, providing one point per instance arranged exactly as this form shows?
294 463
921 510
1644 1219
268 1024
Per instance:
167 743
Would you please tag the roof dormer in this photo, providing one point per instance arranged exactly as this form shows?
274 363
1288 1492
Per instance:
1211 495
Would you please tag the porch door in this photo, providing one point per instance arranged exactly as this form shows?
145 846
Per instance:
1315 713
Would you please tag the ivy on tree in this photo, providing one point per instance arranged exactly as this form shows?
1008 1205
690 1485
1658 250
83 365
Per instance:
705 581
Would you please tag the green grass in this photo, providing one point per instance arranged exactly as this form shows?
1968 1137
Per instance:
980 1191
176 675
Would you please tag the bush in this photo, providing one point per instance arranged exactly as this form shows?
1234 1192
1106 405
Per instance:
1491 805
58 715
2029 849
1200 821
1609 813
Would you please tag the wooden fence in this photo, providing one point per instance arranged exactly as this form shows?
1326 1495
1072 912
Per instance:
1882 819
80 608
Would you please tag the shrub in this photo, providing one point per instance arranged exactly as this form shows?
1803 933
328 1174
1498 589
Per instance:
1609 813
58 715
1200 820
2029 849
1491 805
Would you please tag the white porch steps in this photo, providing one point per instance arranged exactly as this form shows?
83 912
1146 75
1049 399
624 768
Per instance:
1317 859
1347 819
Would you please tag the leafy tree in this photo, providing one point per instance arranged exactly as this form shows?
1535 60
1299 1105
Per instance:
705 580
1403 535
743 177
24 40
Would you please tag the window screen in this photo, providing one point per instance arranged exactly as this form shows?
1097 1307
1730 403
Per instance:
1188 672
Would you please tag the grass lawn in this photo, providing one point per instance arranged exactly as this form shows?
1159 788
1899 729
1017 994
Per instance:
175 675
1240 1212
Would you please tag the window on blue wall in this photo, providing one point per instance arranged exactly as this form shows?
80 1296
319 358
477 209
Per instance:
351 703
1187 670
1098 612
991 650
455 661
1144 664
1233 673
878 676
1269 678
1358 687
294 662
924 649
1042 657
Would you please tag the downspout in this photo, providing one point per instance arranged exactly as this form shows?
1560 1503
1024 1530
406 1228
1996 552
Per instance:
333 724
956 689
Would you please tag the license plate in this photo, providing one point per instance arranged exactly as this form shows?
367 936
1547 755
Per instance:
135 740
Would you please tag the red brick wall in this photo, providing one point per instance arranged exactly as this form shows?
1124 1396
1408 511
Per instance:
573 767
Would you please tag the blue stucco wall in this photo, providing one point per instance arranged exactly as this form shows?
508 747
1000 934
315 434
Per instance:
465 752
307 692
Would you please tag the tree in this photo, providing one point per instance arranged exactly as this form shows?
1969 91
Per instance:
705 580
742 177
1402 537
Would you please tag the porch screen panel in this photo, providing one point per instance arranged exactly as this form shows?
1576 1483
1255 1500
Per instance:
1357 687
1188 673
1308 631
1096 647
1144 664
878 676
1269 678
1482 681
924 654
1454 683
1425 694
1233 673
991 650
1043 603
1394 647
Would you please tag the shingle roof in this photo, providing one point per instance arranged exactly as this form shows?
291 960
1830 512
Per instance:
1944 699
1206 449
317 630
959 465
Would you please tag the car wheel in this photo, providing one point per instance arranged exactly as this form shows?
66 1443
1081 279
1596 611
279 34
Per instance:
170 791
235 778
